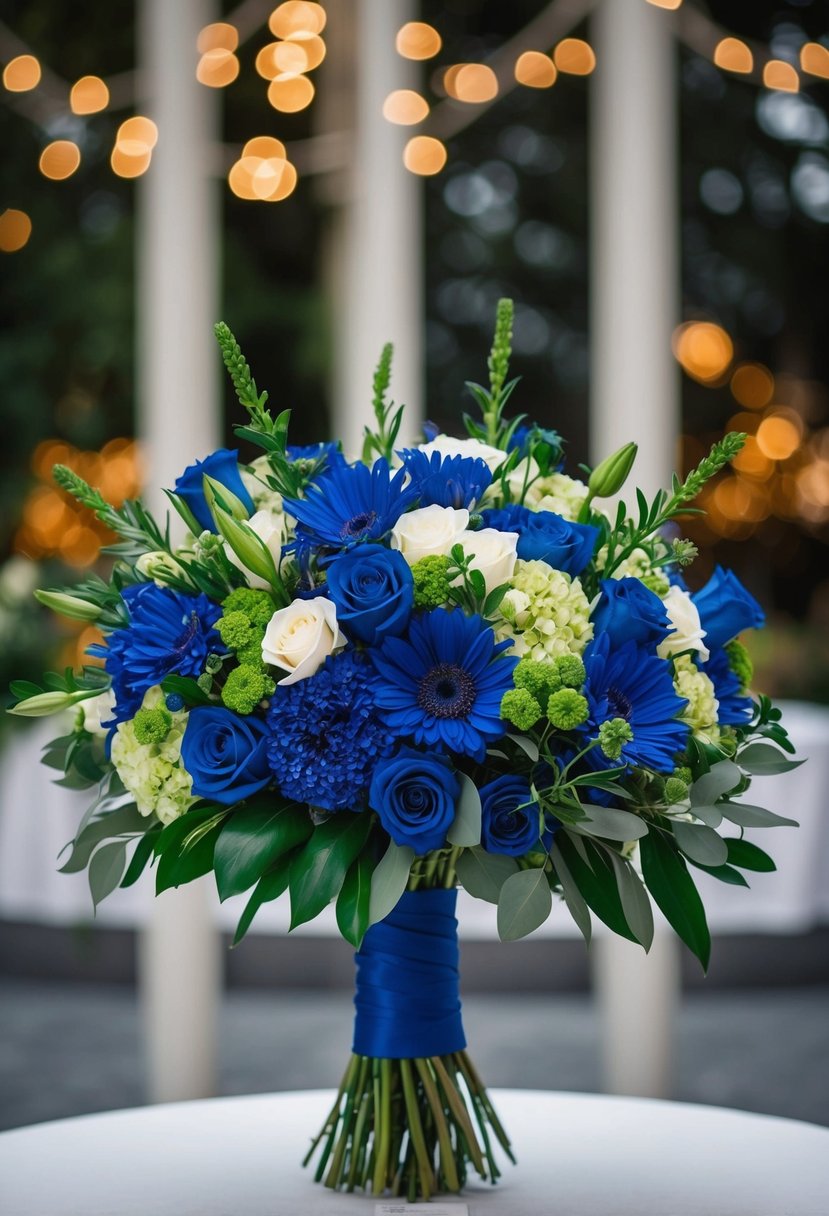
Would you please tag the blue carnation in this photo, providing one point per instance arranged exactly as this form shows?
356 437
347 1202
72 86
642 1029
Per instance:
225 753
545 536
447 481
628 611
510 818
735 708
726 608
415 795
373 590
222 466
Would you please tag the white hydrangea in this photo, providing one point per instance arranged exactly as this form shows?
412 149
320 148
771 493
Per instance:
638 564
556 492
153 773
545 613
703 707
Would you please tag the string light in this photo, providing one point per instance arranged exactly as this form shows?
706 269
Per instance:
296 17
217 68
535 70
814 59
752 384
21 74
779 434
129 164
219 36
424 155
405 107
417 40
575 57
59 159
134 143
263 173
704 350
15 230
669 4
89 95
733 55
777 74
473 83
290 92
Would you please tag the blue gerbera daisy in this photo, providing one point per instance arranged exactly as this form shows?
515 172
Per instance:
632 683
442 685
350 503
447 481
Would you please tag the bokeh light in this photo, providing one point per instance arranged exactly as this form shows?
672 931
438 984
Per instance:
471 82
777 74
535 70
218 36
752 462
733 55
424 155
575 57
296 17
814 59
22 74
263 173
15 230
217 68
669 4
89 95
290 93
405 107
265 147
704 350
779 434
59 159
137 134
752 384
417 40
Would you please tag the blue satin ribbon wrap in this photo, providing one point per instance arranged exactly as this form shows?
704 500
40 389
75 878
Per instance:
407 1000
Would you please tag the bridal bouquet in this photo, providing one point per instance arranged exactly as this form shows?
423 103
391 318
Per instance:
371 681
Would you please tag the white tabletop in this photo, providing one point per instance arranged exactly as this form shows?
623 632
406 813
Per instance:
578 1155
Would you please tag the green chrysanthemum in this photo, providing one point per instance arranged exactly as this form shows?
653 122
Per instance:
520 707
431 584
257 606
539 678
571 671
245 687
613 735
739 660
675 791
567 709
152 725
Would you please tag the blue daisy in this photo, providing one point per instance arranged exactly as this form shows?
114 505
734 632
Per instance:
350 503
633 683
447 481
442 685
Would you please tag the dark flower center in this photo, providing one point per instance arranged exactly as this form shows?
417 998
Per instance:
359 524
619 703
185 638
447 691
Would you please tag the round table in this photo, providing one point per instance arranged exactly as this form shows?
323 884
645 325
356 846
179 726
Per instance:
578 1155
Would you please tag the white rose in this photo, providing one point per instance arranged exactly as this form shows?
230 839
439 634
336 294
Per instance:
447 445
687 631
428 530
300 638
494 554
269 526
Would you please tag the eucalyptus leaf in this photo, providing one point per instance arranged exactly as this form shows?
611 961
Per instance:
525 903
722 777
483 874
635 903
763 760
611 823
106 869
124 821
754 816
388 882
252 839
576 905
527 746
466 827
711 816
319 868
700 843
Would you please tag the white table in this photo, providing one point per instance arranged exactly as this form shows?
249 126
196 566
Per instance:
578 1155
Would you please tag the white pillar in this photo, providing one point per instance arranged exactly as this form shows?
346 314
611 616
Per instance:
379 296
178 420
635 294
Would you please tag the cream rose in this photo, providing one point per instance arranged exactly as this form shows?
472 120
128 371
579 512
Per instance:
428 531
687 631
494 554
269 526
447 445
300 638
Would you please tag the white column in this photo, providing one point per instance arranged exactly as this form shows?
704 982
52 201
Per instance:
379 293
178 420
635 294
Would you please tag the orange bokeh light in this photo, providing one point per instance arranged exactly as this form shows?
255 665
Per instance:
777 74
424 155
138 130
15 230
21 74
59 159
535 70
704 350
296 17
219 36
290 93
733 55
473 83
574 56
89 95
779 435
217 68
405 107
130 159
814 59
752 462
417 40
265 147
752 384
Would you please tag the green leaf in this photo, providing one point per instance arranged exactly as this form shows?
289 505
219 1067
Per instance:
754 816
106 869
192 524
143 853
710 815
634 898
354 900
596 881
388 882
319 869
177 867
725 874
700 843
187 689
126 820
747 855
465 831
483 874
192 838
722 777
572 895
252 839
527 746
612 824
525 903
763 760
269 887
670 884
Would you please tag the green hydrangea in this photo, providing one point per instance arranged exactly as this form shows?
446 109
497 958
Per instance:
153 772
545 613
539 678
556 492
675 791
684 774
571 671
431 582
245 687
567 709
152 725
613 735
257 606
739 660
695 686
520 707
640 564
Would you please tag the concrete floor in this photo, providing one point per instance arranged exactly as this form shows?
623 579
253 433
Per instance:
68 1049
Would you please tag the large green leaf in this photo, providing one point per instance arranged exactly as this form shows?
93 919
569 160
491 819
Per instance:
763 760
611 823
125 821
269 887
252 839
725 874
670 884
525 903
594 877
466 827
702 844
143 853
483 874
319 869
747 855
722 777
572 895
177 865
388 882
354 899
747 816
106 869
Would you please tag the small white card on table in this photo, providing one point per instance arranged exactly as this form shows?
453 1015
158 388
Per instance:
421 1209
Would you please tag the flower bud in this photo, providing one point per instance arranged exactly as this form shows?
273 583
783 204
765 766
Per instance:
46 703
68 605
608 477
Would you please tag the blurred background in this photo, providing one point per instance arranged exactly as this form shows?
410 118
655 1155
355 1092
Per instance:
650 183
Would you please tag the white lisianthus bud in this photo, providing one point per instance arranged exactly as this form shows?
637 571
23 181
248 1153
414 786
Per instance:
447 445
300 638
428 531
269 526
160 567
687 631
98 710
494 554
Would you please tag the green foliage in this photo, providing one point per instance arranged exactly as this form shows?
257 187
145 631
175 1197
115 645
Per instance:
120 822
739 660
483 874
491 402
388 882
319 869
269 887
593 877
381 441
673 889
465 831
524 903
178 864
252 839
354 899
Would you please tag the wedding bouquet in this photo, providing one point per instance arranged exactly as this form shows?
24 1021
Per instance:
372 681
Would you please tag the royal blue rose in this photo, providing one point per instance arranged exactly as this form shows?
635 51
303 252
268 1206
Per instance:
725 608
510 821
545 536
415 795
628 611
222 466
225 754
373 590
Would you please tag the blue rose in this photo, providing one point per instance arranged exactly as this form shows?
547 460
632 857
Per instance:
222 466
373 590
628 611
507 824
545 536
225 754
415 795
734 707
725 608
